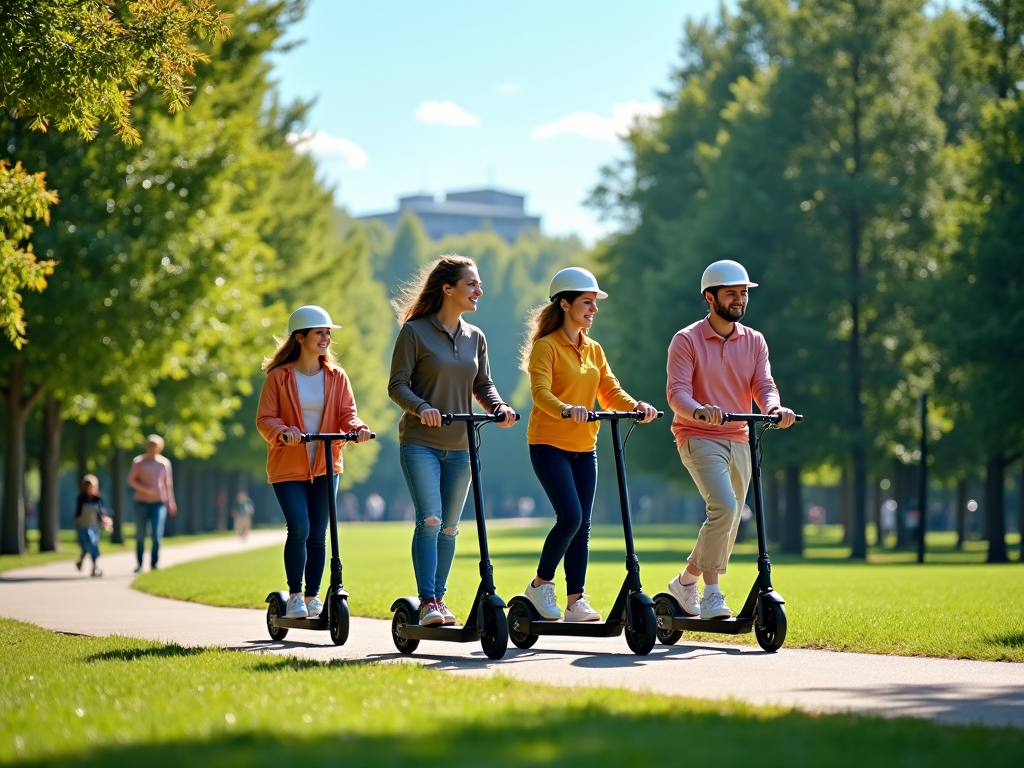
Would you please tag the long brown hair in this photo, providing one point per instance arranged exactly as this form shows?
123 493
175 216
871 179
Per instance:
288 350
542 320
424 294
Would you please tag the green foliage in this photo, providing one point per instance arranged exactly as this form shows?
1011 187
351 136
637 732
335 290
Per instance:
23 197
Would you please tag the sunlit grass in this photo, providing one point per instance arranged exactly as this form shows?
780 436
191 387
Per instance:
115 701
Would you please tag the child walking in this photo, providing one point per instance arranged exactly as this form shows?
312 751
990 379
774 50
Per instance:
90 514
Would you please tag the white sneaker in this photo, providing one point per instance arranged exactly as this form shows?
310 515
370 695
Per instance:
296 608
449 617
314 607
713 606
581 611
96 571
686 595
543 599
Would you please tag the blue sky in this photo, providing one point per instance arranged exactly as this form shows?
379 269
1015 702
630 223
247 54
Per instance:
431 96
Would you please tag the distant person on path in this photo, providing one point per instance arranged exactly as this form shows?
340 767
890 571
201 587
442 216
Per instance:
439 366
90 514
717 366
153 483
568 372
305 391
241 513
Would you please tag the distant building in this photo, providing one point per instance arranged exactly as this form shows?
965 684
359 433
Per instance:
461 212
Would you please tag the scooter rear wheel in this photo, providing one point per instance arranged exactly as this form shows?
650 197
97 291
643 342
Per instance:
494 639
666 636
641 637
338 624
401 619
773 635
277 634
517 612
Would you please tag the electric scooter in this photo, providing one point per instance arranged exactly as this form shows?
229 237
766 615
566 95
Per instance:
633 611
763 612
334 617
486 621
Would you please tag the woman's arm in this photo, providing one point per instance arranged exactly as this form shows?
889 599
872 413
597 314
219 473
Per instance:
403 362
610 394
483 386
348 420
542 374
268 413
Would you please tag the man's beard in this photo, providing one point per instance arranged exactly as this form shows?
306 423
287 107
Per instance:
732 314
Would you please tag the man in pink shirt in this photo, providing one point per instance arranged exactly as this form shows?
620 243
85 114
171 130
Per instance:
150 477
717 366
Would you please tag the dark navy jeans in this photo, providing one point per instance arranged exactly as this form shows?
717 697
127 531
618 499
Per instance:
570 481
306 511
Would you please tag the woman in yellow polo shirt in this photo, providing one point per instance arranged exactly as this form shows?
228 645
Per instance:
568 371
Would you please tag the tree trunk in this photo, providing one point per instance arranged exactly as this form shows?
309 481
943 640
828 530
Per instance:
771 508
876 509
904 502
962 534
844 507
49 477
995 509
117 501
1020 512
793 533
12 528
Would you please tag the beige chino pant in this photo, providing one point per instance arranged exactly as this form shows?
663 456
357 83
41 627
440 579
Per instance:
721 470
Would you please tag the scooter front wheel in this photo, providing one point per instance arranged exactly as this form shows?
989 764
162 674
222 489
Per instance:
666 636
641 637
399 622
773 634
494 639
338 624
277 634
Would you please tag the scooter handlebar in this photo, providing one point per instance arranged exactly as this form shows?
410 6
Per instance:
498 418
751 417
615 415
332 436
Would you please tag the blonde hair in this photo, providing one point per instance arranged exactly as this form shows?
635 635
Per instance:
542 320
424 294
288 350
89 480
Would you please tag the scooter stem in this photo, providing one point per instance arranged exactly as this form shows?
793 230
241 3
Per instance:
632 563
764 566
486 569
332 505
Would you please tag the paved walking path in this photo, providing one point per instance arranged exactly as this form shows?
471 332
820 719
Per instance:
57 597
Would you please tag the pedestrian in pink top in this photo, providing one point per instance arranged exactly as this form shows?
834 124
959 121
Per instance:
717 366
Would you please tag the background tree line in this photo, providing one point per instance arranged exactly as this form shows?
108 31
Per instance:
863 159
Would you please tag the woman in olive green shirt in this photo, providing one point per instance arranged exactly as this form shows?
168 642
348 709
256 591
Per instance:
439 366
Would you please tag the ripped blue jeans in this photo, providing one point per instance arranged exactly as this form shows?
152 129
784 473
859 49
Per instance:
438 483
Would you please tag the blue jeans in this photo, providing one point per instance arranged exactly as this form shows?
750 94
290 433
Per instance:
154 514
89 541
438 483
570 481
306 511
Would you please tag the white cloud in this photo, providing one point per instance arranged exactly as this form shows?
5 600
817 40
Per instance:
445 113
590 125
327 147
508 89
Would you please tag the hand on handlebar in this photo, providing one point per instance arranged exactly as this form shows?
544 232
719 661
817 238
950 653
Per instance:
650 412
363 435
431 417
709 414
578 413
510 416
786 416
291 436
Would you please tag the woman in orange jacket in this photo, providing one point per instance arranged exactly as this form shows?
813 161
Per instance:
305 391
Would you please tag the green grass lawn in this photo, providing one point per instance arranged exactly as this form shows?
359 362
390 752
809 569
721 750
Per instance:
952 607
69 547
115 701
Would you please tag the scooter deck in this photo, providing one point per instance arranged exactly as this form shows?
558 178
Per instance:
570 628
450 634
320 622
733 626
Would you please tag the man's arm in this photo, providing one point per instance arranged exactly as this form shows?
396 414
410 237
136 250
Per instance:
172 505
766 394
133 476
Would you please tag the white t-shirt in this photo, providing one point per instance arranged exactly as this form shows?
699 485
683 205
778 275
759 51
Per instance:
311 401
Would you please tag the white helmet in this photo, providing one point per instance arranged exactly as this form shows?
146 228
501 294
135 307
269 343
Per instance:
574 279
725 272
310 316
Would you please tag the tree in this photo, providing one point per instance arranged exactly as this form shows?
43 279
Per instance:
75 65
